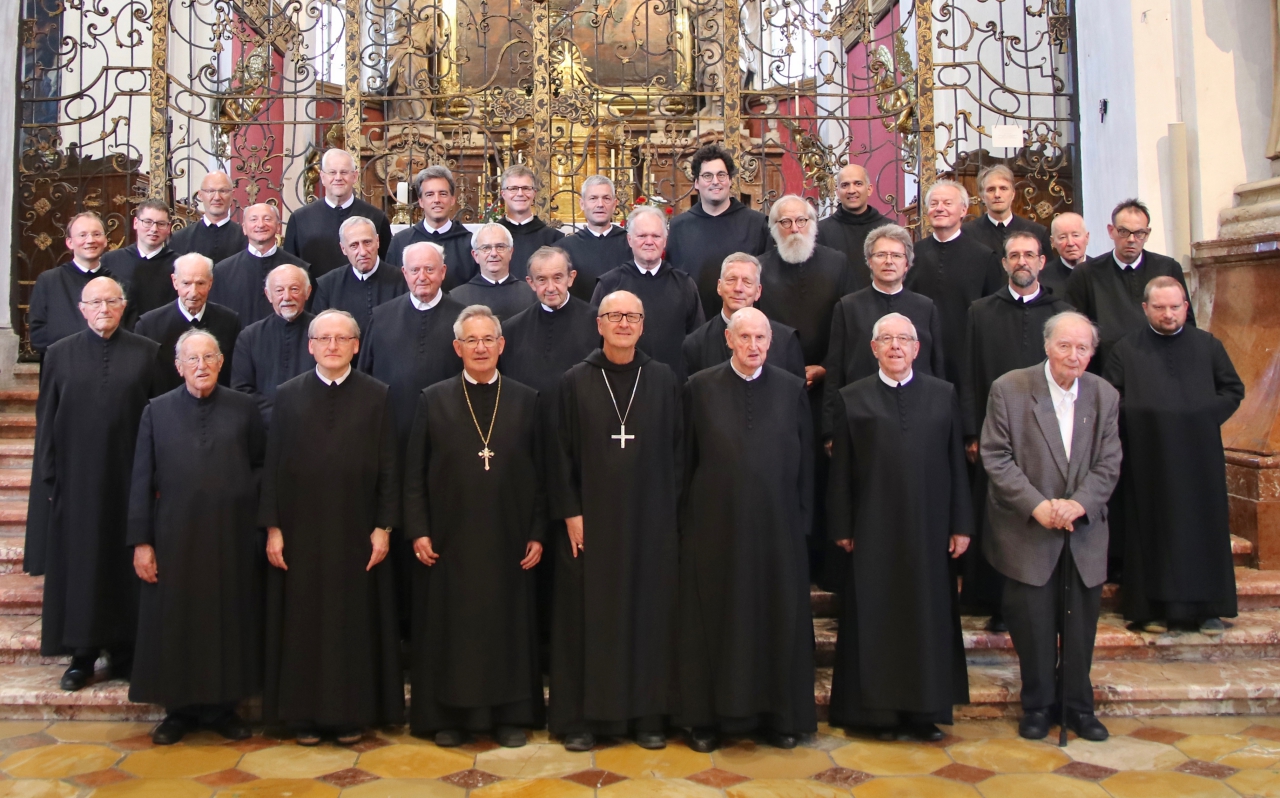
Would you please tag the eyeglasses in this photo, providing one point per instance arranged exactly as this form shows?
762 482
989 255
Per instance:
208 359
221 192
616 317
150 223
1138 235
716 177
326 340
97 304
900 340
341 172
472 343
519 189
896 257
799 223
486 248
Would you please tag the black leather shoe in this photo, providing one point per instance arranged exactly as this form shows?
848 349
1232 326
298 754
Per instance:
510 737
1034 724
651 741
78 674
703 740
924 732
450 738
170 731
886 734
997 624
1087 726
783 740
579 741
232 727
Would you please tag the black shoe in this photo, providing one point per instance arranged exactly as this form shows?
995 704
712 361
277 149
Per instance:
306 734
651 741
886 734
171 730
510 737
924 732
1034 724
997 624
783 740
232 727
1087 726
348 735
78 674
579 741
703 740
450 738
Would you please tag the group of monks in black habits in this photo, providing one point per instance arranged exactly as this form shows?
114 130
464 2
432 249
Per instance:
615 458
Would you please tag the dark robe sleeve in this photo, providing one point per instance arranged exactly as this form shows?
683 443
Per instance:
291 237
1113 372
364 361
568 501
970 376
40 501
834 379
689 349
389 485
598 294
995 278
840 498
320 297
695 317
244 376
540 514
804 420
417 503
1079 293
142 493
961 498
690 456
793 355
384 236
257 447
268 499
38 316
937 358
1229 388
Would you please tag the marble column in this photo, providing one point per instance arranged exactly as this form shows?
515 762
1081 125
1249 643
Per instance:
8 117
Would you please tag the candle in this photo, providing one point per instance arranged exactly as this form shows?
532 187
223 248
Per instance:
402 192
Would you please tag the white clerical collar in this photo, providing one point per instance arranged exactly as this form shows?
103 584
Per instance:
466 375
350 199
748 377
1136 263
606 232
1056 393
1020 298
563 304
950 238
264 254
151 254
420 305
724 316
651 272
211 223
86 269
999 223
887 293
190 317
444 228
517 224
491 281
1069 264
362 276
892 383
1168 335
338 381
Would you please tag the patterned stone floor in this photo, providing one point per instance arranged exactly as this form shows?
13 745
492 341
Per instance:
1146 758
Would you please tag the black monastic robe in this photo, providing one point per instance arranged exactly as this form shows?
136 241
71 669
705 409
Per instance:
148 282
341 289
215 242
330 479
954 274
706 347
1054 276
54 310
312 233
671 308
195 500
240 283
505 299
459 264
848 232
269 353
746 626
698 243
993 235
165 325
529 238
593 255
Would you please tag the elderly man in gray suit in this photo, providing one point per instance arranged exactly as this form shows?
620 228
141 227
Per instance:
1051 449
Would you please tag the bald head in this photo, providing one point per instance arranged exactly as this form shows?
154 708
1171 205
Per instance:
620 322
853 188
215 196
748 337
621 302
102 305
1070 238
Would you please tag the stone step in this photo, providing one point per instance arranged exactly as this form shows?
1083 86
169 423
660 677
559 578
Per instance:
30 692
11 548
17 453
21 594
17 425
15 484
26 375
20 399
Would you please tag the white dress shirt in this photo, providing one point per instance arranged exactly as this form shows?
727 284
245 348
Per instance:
1064 407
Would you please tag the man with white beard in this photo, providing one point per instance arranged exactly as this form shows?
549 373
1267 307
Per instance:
274 350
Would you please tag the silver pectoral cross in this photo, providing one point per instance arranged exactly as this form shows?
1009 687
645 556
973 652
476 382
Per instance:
486 454
622 437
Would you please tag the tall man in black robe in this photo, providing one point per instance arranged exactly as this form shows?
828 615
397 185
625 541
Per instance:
1006 332
215 235
437 197
717 226
899 503
746 627
890 253
612 647
480 552
93 388
240 280
330 496
54 312
367 284
739 287
670 297
954 269
601 245
274 350
847 228
494 286
312 234
196 548
998 195
192 278
519 189
1177 387
1070 240
144 268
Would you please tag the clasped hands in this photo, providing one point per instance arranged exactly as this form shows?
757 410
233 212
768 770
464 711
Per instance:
380 538
1058 513
428 556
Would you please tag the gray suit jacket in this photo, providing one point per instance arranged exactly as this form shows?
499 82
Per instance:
1026 463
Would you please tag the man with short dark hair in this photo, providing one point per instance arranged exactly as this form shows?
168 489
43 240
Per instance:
312 234
437 197
54 311
213 235
494 286
145 267
519 190
599 245
996 189
273 350
239 282
847 228
367 284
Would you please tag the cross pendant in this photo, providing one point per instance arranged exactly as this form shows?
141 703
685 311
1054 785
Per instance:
622 437
486 454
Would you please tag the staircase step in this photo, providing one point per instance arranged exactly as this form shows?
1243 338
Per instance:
26 375
11 550
18 400
17 425
13 518
15 483
17 453
21 594
30 692
20 642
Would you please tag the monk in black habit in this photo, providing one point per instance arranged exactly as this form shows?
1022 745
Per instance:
953 269
746 626
93 388
437 197
1177 387
367 284
899 504
312 234
739 287
846 230
670 297
215 236
197 549
144 268
1006 332
997 192
238 281
528 232
54 311
495 286
890 252
614 630
480 552
600 245
330 496
274 350
1070 239
192 278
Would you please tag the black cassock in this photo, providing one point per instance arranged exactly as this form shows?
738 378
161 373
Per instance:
148 282
240 281
614 628
340 289
312 233
92 394
1054 276
332 643
528 238
505 299
993 235
849 355
165 325
698 243
475 661
593 255
848 232
1176 391
671 309
746 626
54 312
706 347
954 274
457 251
899 491
195 499
215 242
269 353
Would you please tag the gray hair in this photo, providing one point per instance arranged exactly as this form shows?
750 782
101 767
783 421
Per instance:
324 159
274 210
597 180
1051 326
775 210
506 234
352 222
1064 217
324 314
290 267
548 252
892 232
435 172
875 328
195 332
964 192
742 257
404 253
646 210
740 316
476 312
998 170
196 258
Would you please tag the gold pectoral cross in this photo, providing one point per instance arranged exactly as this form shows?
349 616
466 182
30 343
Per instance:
486 454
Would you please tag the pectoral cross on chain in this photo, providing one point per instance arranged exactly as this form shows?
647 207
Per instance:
486 454
622 437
